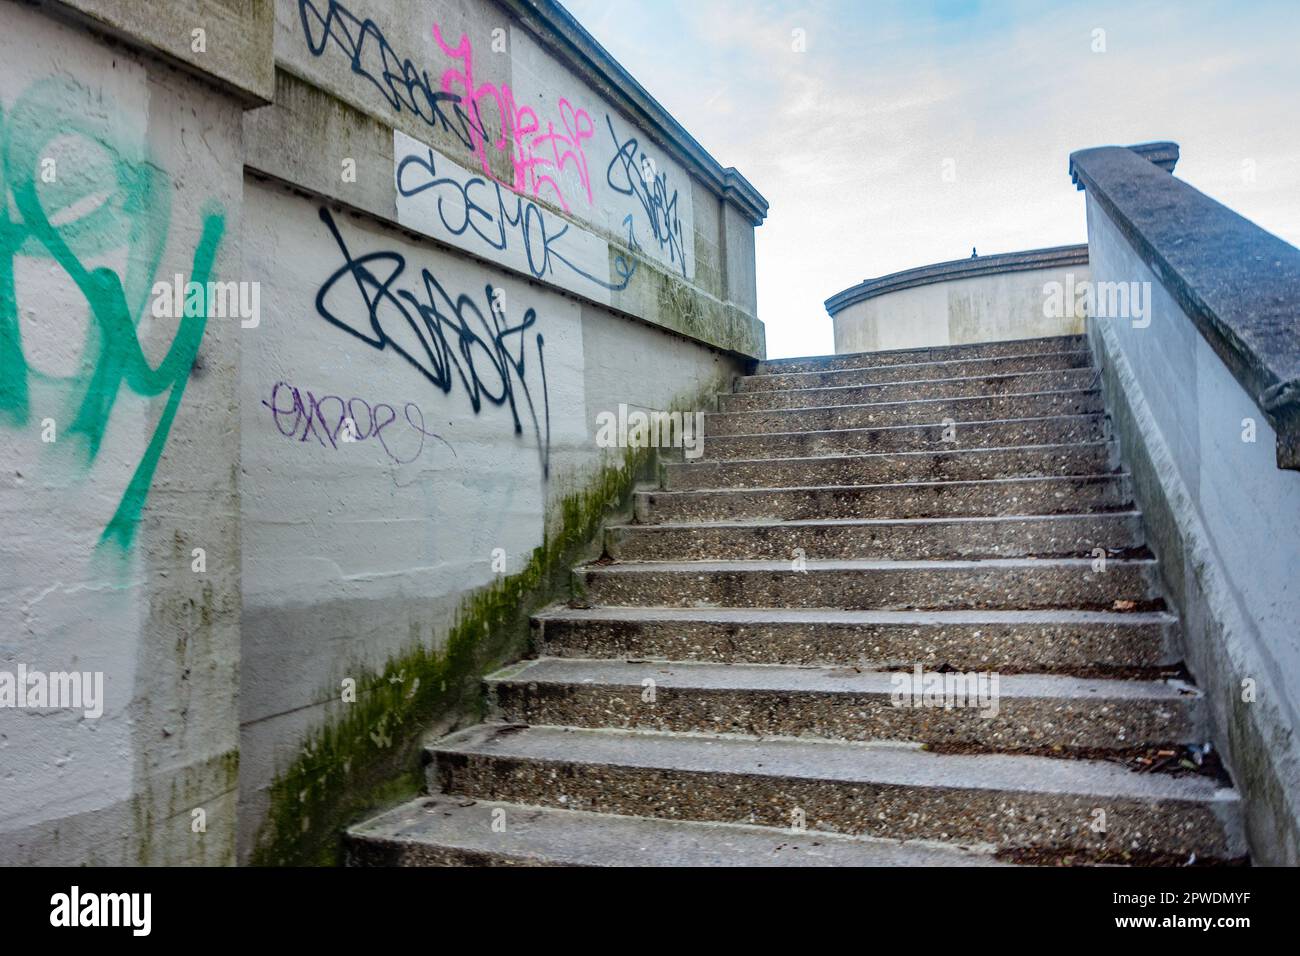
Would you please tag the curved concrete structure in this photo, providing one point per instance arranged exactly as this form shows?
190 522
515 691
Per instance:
981 299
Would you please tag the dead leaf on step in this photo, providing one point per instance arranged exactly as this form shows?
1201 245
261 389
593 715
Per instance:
1123 605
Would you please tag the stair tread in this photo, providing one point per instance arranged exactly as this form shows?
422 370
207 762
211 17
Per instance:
955 349
830 615
1015 479
1007 359
928 382
740 523
910 425
899 403
585 838
872 763
1100 443
855 564
820 680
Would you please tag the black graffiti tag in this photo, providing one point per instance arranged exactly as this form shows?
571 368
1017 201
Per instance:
449 339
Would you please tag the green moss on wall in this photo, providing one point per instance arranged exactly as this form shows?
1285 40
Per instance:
370 756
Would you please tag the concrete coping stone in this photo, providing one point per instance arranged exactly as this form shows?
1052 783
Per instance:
1239 285
564 36
1025 261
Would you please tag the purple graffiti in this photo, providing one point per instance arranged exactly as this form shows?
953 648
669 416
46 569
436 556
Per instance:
333 421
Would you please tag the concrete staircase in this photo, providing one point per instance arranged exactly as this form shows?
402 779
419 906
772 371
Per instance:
720 690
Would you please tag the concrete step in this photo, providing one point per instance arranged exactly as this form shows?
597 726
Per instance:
1068 379
879 789
1011 347
918 499
1007 583
1079 458
1030 712
1045 641
441 830
934 437
926 411
1067 535
917 371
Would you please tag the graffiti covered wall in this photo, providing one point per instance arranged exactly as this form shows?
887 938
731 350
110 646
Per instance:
118 459
301 358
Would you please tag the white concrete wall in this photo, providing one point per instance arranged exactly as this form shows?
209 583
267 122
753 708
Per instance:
129 162
1224 520
988 308
472 380
351 549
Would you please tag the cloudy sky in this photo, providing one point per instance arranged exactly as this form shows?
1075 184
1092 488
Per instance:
849 140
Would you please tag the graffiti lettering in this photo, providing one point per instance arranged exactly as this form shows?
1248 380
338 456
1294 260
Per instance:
499 218
333 420
109 196
538 155
447 339
403 85
627 175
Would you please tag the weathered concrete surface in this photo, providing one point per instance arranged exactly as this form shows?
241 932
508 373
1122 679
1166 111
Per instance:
926 585
1050 641
738 665
876 789
106 496
1013 536
971 408
1082 458
226 43
442 831
1224 521
1018 383
1051 430
914 368
376 476
1032 712
919 499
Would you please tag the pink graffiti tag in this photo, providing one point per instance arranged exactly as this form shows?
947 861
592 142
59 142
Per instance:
539 155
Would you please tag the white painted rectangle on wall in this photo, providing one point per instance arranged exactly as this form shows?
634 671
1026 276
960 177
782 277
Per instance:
439 198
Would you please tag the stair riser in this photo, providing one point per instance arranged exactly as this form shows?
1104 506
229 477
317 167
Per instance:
1014 538
970 435
980 409
1048 586
1032 496
1064 648
1030 347
957 814
1054 381
1023 462
916 373
1017 723
372 852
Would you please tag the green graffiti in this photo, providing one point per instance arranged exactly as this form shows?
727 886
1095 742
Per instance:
82 190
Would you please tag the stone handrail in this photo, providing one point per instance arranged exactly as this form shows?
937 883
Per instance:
1239 284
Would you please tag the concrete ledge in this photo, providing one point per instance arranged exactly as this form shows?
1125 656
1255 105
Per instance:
563 35
1031 259
1164 154
286 140
237 38
1238 284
